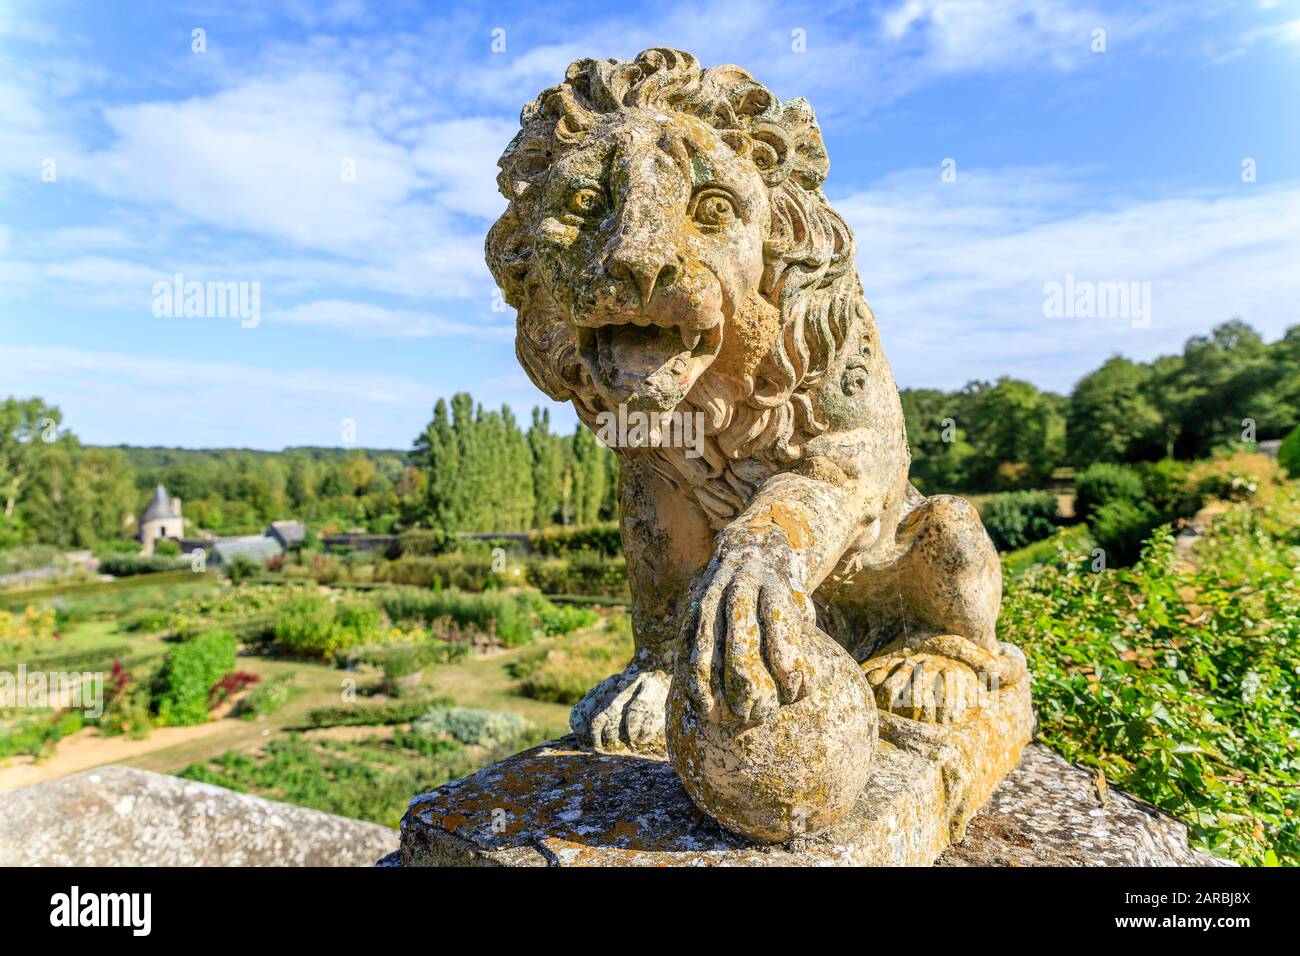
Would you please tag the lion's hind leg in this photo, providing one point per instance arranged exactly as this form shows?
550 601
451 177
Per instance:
939 596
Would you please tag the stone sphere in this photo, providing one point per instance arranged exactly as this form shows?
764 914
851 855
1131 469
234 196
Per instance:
794 774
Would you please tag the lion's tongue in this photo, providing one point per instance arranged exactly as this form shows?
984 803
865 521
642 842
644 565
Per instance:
639 360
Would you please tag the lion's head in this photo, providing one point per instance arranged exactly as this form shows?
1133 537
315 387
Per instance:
650 201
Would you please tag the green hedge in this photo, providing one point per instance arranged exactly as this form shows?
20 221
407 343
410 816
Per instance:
602 539
1014 519
1103 483
360 715
126 565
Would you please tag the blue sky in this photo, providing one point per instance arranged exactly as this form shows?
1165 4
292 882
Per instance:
225 165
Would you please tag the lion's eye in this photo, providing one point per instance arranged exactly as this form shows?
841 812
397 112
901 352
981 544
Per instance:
715 210
585 202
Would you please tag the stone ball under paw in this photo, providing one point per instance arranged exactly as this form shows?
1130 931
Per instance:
793 774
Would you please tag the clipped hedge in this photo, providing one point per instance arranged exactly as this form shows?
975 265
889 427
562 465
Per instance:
557 542
1014 519
126 565
1103 483
359 715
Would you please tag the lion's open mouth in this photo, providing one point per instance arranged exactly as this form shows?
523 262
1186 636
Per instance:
648 366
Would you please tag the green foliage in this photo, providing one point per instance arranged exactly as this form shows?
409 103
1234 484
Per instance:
601 539
1103 483
1017 518
511 617
362 715
242 567
304 625
187 676
1288 455
28 558
370 779
125 565
558 620
565 670
1181 685
39 736
268 696
1111 416
1120 528
482 728
167 547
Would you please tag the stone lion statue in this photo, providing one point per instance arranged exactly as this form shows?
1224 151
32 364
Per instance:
668 248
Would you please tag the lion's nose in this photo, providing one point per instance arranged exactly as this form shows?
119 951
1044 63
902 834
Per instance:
644 272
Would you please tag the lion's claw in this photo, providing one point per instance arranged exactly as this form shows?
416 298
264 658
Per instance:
743 638
921 686
624 712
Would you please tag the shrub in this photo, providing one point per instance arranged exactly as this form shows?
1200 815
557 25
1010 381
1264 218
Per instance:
566 670
425 543
1179 680
1121 527
242 567
167 547
126 705
32 556
483 728
603 539
1288 455
357 715
1014 519
1103 483
268 697
510 617
125 565
565 619
1167 488
357 622
236 682
585 572
184 683
304 625
1233 476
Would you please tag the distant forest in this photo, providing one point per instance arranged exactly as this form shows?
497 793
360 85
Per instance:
476 469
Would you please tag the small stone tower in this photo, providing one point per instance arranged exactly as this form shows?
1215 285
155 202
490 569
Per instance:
161 519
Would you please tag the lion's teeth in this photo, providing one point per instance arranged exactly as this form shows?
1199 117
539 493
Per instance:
691 337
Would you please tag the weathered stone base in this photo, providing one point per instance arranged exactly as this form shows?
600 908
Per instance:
558 805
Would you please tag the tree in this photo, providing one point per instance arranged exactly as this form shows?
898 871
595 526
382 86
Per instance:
1110 417
1018 433
24 425
546 452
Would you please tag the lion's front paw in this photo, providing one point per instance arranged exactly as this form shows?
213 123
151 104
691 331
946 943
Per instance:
624 712
921 686
743 637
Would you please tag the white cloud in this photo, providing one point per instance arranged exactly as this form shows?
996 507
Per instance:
114 398
955 272
364 319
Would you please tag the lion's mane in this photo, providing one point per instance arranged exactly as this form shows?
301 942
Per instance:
809 273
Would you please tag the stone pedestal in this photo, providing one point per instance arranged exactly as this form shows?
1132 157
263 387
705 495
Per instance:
559 805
